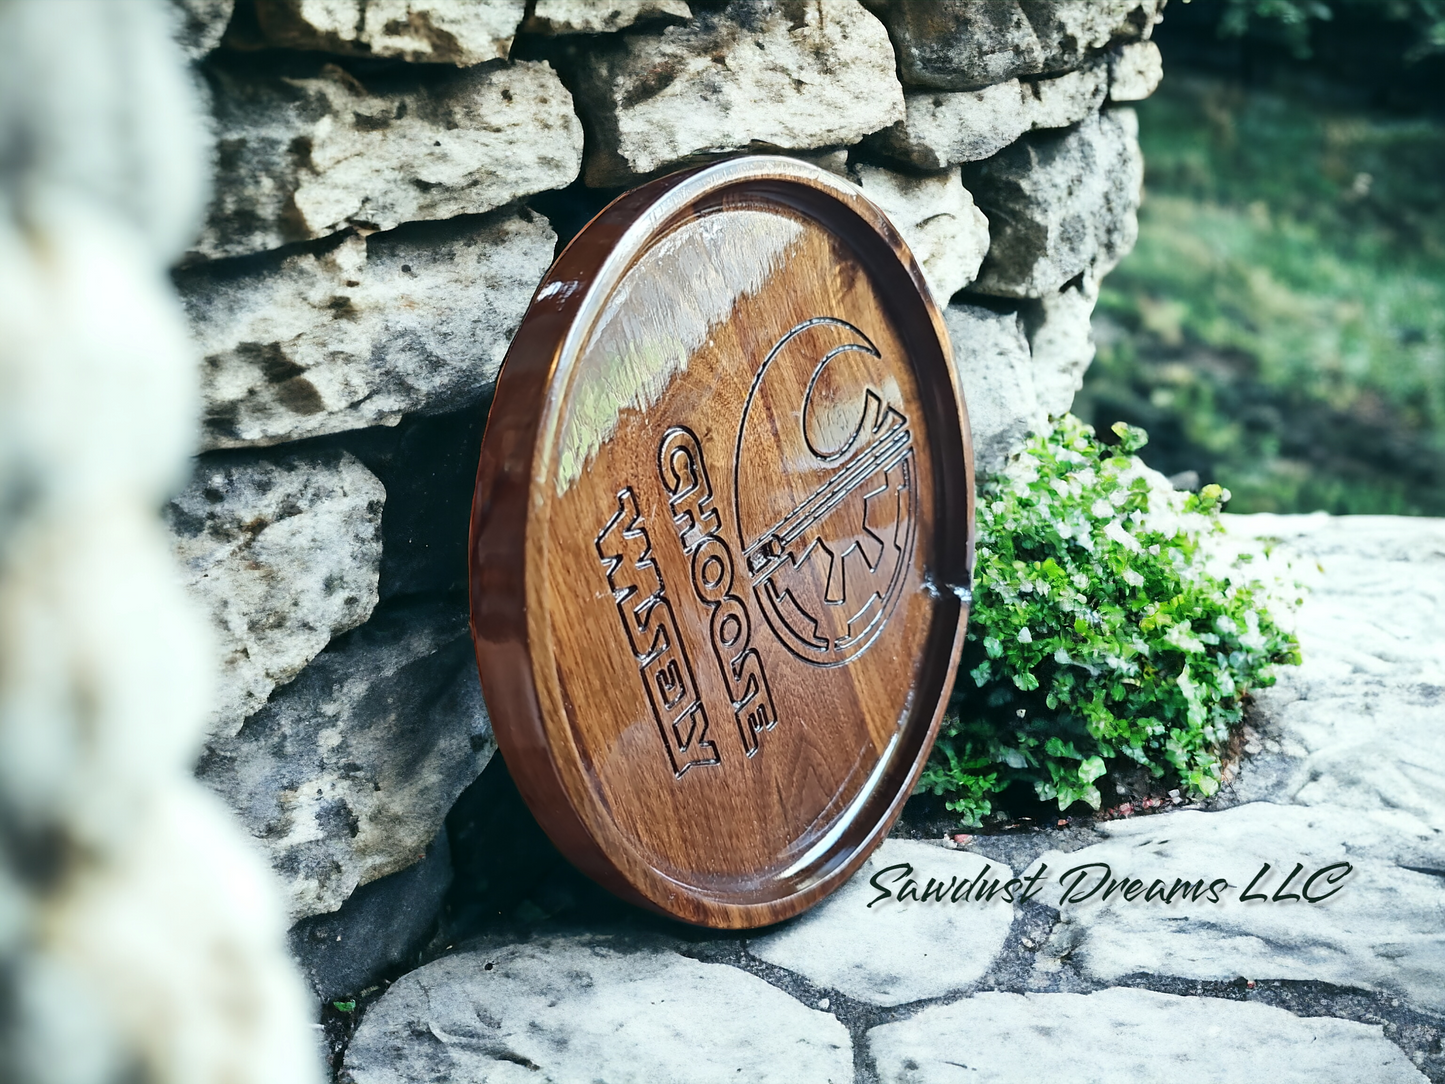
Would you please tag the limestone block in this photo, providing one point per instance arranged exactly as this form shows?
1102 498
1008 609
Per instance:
414 321
1135 70
895 952
348 772
1061 341
1124 1034
996 374
1019 370
963 45
200 24
1062 204
284 554
760 75
600 16
944 128
300 158
937 218
1380 931
588 1008
439 31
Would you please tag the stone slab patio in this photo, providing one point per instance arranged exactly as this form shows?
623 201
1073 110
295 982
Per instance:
1340 776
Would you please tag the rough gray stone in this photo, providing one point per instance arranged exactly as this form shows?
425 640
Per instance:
1135 71
300 158
600 16
412 321
284 554
1061 341
379 929
996 374
895 952
944 128
200 24
752 75
1062 204
937 218
576 1010
962 44
1121 1034
349 771
834 161
1380 931
439 31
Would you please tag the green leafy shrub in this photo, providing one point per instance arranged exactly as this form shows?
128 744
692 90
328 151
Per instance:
1097 632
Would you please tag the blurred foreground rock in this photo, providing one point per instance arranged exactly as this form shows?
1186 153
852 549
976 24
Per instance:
141 935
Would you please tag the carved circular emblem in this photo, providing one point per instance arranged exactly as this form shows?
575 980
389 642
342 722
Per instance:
721 541
850 451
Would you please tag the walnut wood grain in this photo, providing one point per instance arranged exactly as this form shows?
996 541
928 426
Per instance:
721 541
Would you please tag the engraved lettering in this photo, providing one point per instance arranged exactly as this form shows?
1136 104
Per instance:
690 493
667 675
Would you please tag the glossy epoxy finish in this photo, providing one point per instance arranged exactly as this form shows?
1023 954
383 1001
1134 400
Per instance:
721 541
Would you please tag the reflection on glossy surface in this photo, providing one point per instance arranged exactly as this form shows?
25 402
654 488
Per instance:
666 307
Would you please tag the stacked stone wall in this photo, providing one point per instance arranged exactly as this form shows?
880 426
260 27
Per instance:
393 178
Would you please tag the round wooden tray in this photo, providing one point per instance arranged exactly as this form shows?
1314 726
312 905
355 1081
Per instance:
721 541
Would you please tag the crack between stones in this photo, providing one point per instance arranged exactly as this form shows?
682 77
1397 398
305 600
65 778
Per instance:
1419 1033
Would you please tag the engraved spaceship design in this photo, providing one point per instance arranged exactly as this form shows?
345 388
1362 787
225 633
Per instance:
827 550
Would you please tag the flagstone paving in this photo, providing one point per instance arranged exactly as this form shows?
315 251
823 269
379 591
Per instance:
1118 1035
588 1008
1341 776
892 953
1380 925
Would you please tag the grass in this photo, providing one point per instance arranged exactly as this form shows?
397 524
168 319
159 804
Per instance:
1280 327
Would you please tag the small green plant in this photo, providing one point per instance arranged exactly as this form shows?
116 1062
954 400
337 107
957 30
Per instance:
1097 633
